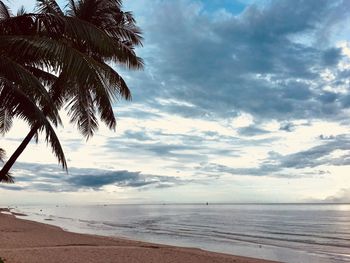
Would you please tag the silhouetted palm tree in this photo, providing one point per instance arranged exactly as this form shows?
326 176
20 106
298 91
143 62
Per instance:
21 93
79 44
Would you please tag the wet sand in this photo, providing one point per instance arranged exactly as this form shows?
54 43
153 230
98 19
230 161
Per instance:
23 241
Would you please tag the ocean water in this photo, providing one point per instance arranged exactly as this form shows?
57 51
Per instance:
283 232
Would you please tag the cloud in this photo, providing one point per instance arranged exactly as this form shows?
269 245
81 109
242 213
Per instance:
265 61
218 169
320 155
342 196
278 165
161 150
95 181
137 135
45 177
251 131
287 126
332 56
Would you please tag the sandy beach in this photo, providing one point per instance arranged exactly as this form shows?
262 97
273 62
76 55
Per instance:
23 241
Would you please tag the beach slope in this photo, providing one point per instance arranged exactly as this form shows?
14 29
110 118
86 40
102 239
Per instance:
23 241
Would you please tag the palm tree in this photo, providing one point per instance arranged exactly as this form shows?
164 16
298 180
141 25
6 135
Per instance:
22 94
80 44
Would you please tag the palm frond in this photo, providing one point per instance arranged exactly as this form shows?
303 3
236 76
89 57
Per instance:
2 155
23 107
125 55
129 33
48 6
84 70
30 85
5 11
101 43
81 109
7 178
5 119
18 74
18 25
114 83
46 78
21 11
71 7
112 38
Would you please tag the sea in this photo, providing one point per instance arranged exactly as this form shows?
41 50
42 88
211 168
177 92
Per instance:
282 232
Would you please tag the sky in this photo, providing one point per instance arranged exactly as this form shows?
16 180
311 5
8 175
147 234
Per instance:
239 101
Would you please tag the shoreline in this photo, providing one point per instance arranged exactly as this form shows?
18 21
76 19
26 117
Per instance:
32 242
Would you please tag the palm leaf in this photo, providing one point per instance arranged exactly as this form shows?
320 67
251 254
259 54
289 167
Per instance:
46 78
18 74
30 85
48 6
82 111
21 11
23 107
5 119
113 41
7 178
5 11
2 155
83 70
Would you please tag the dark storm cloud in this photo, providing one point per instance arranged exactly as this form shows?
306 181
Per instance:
251 62
45 177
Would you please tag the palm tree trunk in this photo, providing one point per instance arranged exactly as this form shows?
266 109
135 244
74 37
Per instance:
7 166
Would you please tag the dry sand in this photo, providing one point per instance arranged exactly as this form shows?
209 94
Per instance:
23 241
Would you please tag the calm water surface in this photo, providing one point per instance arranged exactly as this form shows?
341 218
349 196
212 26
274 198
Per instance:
287 233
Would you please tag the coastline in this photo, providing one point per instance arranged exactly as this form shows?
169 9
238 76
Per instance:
28 241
